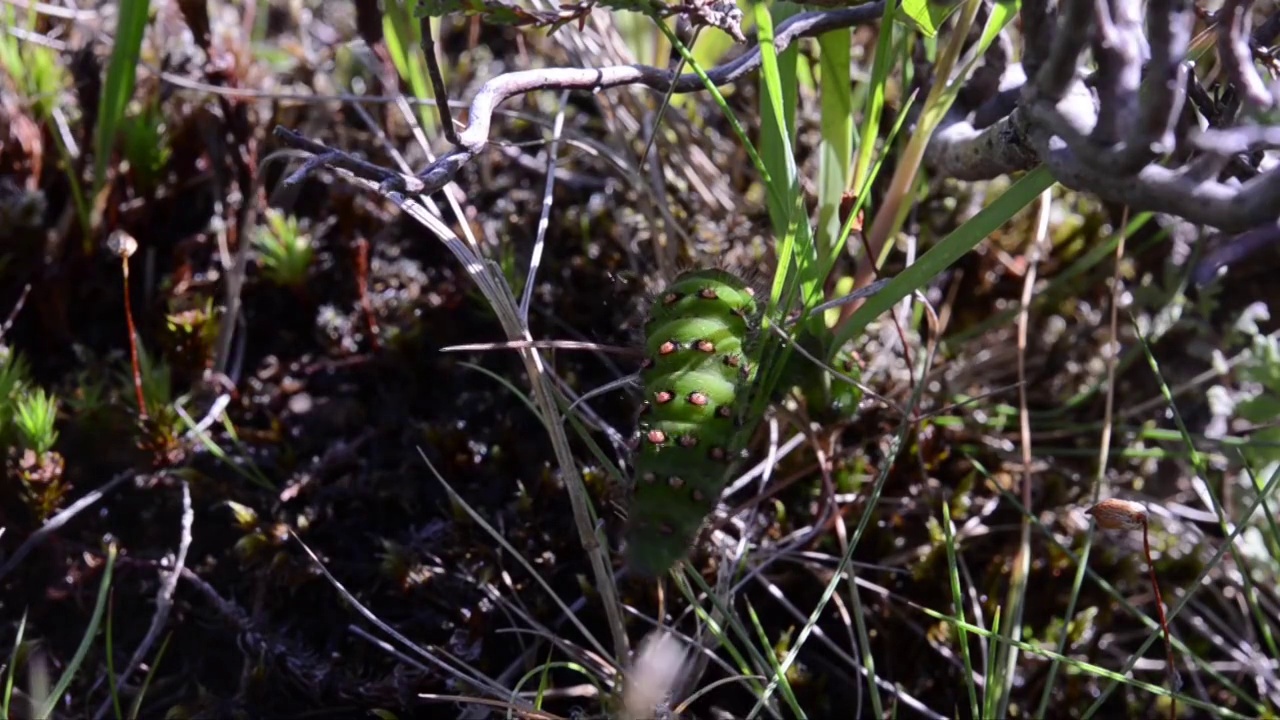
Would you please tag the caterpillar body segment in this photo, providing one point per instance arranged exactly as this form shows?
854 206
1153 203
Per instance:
697 368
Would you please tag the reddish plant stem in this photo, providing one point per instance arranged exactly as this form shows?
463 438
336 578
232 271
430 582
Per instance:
1164 622
362 288
133 342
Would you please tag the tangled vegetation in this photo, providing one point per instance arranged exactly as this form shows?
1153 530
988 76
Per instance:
339 341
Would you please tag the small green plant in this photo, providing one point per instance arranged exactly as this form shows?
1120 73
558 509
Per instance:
37 75
191 334
145 143
13 376
284 251
31 458
35 416
36 71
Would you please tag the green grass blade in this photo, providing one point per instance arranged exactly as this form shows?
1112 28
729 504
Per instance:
957 599
836 149
1084 667
778 99
1197 459
86 642
779 674
117 90
777 124
112 683
403 37
682 580
949 250
881 68
151 674
13 665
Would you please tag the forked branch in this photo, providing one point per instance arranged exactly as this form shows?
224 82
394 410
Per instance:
473 140
1108 133
1111 133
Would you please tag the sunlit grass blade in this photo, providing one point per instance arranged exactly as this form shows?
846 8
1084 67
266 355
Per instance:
403 36
949 250
779 92
152 668
897 442
498 537
957 600
1122 600
73 666
779 674
1081 666
117 90
14 659
1198 460
744 666
778 97
890 216
882 66
836 148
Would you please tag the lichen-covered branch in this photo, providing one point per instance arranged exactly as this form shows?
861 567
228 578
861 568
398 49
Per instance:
1104 133
1237 58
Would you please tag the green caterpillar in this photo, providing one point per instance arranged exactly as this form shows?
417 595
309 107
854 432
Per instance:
701 359
698 366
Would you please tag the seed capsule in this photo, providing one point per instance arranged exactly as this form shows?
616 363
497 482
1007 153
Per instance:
1117 514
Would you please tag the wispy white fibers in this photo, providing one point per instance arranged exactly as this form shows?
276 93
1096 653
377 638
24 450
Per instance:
659 664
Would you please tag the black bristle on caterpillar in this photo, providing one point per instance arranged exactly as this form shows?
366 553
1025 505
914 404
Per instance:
698 365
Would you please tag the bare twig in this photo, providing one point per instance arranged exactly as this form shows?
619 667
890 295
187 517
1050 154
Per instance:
1105 150
1237 60
1170 35
1054 78
164 599
1119 48
437 79
1037 31
472 141
56 522
17 308
1235 250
